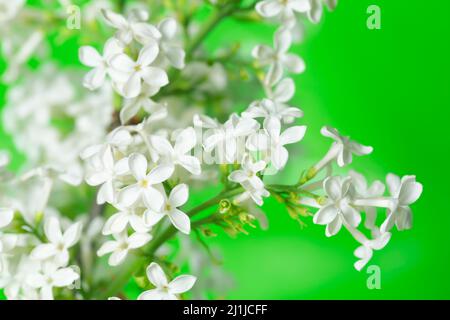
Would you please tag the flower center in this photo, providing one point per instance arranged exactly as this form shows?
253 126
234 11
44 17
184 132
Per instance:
144 183
168 207
137 68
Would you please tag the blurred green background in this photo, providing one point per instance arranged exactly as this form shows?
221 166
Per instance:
386 88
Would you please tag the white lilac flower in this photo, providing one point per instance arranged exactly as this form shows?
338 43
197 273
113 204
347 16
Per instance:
404 192
13 279
142 101
278 58
316 11
342 149
127 29
273 141
119 221
363 190
51 276
165 290
249 173
59 242
255 194
121 245
365 251
227 136
285 9
179 153
276 105
140 70
119 138
105 174
144 189
6 216
338 209
173 52
177 198
90 57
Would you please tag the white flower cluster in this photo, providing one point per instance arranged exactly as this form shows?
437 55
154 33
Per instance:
33 263
346 197
145 149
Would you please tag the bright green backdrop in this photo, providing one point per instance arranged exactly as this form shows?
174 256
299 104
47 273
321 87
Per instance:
388 88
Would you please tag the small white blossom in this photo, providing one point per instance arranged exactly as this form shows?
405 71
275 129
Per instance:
142 101
165 290
342 149
143 188
278 58
338 209
121 245
173 52
404 192
51 276
179 153
105 174
90 57
140 70
316 11
127 30
276 106
59 242
119 221
365 252
273 141
226 136
285 9
248 173
180 220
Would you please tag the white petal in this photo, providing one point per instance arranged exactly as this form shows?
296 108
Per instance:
107 247
153 294
279 157
95 78
180 220
6 217
151 217
72 234
129 195
393 182
43 251
115 20
182 284
64 277
292 135
294 63
168 27
282 40
52 229
133 86
138 165
333 227
137 240
161 145
274 74
410 190
123 63
117 257
179 195
285 90
154 76
118 222
186 140
148 54
333 188
269 8
160 174
89 56
153 199
156 275
325 215
191 164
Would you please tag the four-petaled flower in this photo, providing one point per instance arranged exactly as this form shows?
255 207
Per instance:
404 192
278 58
59 242
49 277
165 290
285 9
180 220
143 188
338 209
273 141
121 245
140 70
90 57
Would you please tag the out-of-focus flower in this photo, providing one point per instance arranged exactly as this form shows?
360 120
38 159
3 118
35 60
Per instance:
165 290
